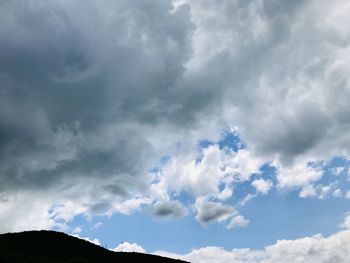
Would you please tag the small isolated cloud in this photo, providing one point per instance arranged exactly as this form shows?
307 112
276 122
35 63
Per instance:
238 221
320 191
170 208
262 186
298 175
337 193
97 225
338 170
210 212
246 199
77 230
346 222
325 190
129 247
307 191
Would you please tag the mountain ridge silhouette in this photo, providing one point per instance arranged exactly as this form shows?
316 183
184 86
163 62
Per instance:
56 247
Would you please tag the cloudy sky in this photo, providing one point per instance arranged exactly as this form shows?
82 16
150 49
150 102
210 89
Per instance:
208 130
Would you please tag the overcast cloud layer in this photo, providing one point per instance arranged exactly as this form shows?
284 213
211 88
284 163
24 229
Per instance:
102 105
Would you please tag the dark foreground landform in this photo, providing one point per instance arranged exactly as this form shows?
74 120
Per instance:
56 247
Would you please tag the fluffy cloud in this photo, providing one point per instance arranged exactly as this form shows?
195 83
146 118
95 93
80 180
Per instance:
307 191
299 175
201 178
204 174
334 248
238 221
262 186
337 193
283 88
321 191
38 215
77 230
129 247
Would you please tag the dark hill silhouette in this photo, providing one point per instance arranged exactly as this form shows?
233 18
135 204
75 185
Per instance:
56 247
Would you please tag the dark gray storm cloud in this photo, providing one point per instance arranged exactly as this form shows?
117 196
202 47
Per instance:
209 212
171 208
74 78
81 84
94 94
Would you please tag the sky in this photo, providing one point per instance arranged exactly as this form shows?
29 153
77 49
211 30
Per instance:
206 130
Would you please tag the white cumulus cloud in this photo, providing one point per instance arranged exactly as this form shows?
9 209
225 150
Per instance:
129 247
